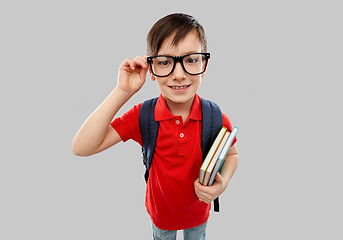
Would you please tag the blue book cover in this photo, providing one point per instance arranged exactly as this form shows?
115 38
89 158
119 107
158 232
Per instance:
222 156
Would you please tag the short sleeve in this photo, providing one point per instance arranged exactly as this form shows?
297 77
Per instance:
127 126
228 125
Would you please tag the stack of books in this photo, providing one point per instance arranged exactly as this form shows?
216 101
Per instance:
216 156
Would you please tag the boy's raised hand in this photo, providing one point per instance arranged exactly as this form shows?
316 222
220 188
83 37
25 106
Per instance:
132 74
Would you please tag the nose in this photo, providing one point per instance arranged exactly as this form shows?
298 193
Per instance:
178 73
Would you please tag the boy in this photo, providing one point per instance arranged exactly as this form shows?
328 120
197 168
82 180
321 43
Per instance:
177 61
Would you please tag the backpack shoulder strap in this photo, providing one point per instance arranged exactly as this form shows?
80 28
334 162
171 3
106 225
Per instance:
212 122
149 130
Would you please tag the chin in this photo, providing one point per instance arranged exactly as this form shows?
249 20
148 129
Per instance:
179 99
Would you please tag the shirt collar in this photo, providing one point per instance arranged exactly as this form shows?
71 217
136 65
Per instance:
162 112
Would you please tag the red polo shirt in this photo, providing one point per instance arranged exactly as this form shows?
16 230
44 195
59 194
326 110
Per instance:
170 196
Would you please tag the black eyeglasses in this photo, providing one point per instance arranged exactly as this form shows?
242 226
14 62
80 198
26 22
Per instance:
164 65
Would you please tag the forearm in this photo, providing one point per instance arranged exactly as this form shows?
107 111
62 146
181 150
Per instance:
229 167
93 131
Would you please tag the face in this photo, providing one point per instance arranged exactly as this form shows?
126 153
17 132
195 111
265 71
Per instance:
179 86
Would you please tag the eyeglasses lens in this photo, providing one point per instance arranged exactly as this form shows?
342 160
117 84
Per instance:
162 65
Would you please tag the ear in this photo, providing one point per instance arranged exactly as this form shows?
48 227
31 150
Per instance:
203 74
151 75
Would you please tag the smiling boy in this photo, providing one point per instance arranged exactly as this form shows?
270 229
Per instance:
177 59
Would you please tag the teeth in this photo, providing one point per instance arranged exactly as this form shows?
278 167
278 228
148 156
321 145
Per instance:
179 88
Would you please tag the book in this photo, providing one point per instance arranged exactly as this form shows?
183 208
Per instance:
211 153
212 164
222 155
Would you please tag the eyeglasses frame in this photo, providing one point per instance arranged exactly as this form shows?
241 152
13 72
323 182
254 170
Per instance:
177 59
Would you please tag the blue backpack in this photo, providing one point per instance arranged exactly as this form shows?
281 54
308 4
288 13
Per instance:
212 122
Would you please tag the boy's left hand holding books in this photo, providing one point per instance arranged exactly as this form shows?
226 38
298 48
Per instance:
208 193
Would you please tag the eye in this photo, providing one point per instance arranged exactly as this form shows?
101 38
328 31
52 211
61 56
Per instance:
192 59
163 63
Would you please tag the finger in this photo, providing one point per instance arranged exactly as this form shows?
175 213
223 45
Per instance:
219 178
201 192
198 187
126 63
137 65
143 58
140 61
206 193
204 199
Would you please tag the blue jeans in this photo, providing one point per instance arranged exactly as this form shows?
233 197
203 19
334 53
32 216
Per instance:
196 233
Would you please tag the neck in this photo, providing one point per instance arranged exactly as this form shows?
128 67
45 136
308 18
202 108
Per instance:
180 109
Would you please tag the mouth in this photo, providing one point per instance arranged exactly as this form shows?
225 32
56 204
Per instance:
179 88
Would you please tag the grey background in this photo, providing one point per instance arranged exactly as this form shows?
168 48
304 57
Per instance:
275 70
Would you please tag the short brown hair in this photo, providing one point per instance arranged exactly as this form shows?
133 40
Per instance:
180 24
